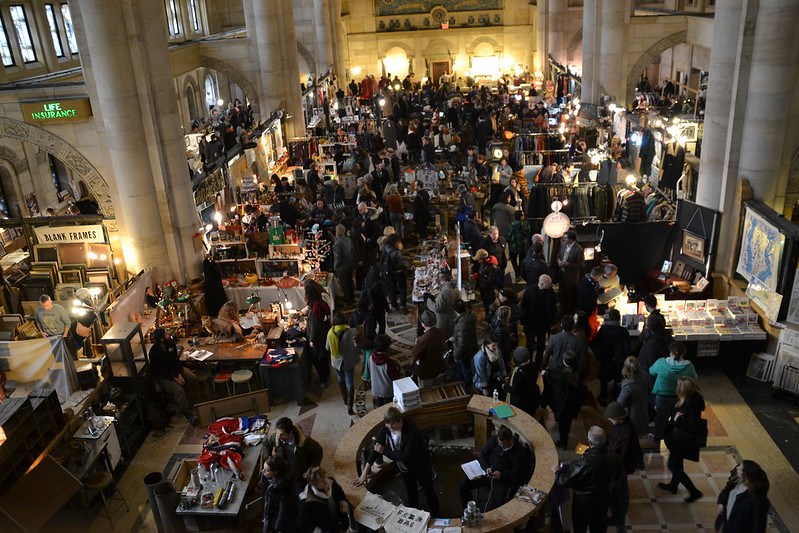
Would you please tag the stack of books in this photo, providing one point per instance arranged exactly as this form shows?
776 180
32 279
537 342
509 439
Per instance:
406 394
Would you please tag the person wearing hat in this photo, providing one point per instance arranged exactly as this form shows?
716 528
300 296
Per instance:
522 388
487 282
428 353
623 440
167 372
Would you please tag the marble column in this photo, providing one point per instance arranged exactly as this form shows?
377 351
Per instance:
556 34
178 211
339 42
719 112
591 31
542 31
109 72
611 54
775 61
324 38
295 126
267 49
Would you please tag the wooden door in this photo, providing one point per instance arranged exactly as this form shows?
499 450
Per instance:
439 68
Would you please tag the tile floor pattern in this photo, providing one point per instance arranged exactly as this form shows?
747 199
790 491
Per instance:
738 434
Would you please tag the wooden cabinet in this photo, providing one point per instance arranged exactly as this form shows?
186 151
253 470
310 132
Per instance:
30 425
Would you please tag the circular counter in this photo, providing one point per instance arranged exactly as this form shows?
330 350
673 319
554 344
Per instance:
467 409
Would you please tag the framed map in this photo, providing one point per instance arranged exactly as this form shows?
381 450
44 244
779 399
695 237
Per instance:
761 251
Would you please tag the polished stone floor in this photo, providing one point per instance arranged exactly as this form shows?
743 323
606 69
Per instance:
736 432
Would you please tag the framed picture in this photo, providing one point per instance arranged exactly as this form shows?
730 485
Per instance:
71 276
46 252
693 246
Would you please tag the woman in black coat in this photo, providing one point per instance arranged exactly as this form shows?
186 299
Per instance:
323 505
280 501
564 394
522 388
743 504
683 437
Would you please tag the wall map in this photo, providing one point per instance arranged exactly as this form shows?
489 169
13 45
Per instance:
407 7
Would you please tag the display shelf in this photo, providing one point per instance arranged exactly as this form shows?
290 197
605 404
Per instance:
275 268
229 250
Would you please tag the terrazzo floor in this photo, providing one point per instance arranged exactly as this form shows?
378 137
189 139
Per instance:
735 433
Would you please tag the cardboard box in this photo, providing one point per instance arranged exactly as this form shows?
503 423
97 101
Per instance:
183 474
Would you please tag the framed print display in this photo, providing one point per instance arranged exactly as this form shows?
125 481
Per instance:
693 246
46 252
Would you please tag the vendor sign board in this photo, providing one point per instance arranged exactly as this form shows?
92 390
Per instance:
92 233
57 111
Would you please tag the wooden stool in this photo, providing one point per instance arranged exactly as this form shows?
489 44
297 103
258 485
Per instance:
240 377
204 376
98 482
223 376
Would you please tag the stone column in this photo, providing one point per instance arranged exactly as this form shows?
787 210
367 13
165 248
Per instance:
109 71
775 59
719 111
591 30
611 55
324 38
295 126
542 23
267 48
174 189
556 34
339 42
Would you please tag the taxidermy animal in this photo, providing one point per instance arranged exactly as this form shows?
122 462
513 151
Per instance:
219 327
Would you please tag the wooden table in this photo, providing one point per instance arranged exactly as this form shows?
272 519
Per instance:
197 516
223 352
448 413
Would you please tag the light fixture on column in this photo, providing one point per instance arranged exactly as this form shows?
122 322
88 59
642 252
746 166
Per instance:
220 102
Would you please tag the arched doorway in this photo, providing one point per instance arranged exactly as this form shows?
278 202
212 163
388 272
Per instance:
649 57
192 103
396 63
211 90
9 201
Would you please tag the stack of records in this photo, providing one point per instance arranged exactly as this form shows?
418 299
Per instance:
406 394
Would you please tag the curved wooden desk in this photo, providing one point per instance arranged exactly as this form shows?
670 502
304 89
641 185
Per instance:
467 409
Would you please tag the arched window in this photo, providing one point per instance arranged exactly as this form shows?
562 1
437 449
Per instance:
210 91
192 102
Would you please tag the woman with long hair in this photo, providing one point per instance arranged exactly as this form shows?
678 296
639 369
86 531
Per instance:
634 394
279 499
683 437
743 504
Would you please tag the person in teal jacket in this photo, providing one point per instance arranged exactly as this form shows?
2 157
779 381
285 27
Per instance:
667 371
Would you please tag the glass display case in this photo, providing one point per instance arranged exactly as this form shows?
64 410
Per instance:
125 350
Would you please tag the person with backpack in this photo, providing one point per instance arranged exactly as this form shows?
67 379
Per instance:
393 268
518 237
344 356
384 371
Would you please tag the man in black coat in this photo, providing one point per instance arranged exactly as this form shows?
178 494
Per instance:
421 210
167 372
591 480
623 440
508 464
472 234
404 443
533 264
483 131
496 245
587 291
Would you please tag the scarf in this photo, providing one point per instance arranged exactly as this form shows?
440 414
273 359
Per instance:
338 332
493 356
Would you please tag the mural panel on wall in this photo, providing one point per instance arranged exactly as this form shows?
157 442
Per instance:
405 7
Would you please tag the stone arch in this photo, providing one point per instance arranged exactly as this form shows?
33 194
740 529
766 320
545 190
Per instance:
191 81
72 158
440 49
480 40
396 44
235 75
19 164
649 56
574 43
308 57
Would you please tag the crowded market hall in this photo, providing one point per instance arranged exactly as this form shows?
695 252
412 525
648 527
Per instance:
436 266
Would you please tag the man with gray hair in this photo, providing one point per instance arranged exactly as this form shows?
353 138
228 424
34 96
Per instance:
591 480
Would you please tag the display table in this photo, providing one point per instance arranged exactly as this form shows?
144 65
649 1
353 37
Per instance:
295 295
447 413
286 381
224 351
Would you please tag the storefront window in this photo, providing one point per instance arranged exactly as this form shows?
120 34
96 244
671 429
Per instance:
59 51
172 18
70 29
195 16
20 20
5 48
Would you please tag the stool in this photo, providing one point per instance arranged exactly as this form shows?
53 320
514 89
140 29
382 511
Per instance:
223 376
204 376
98 482
240 377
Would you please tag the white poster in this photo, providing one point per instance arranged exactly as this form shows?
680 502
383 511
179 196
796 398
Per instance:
69 234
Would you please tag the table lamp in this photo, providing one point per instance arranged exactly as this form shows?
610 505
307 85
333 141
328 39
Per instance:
252 300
